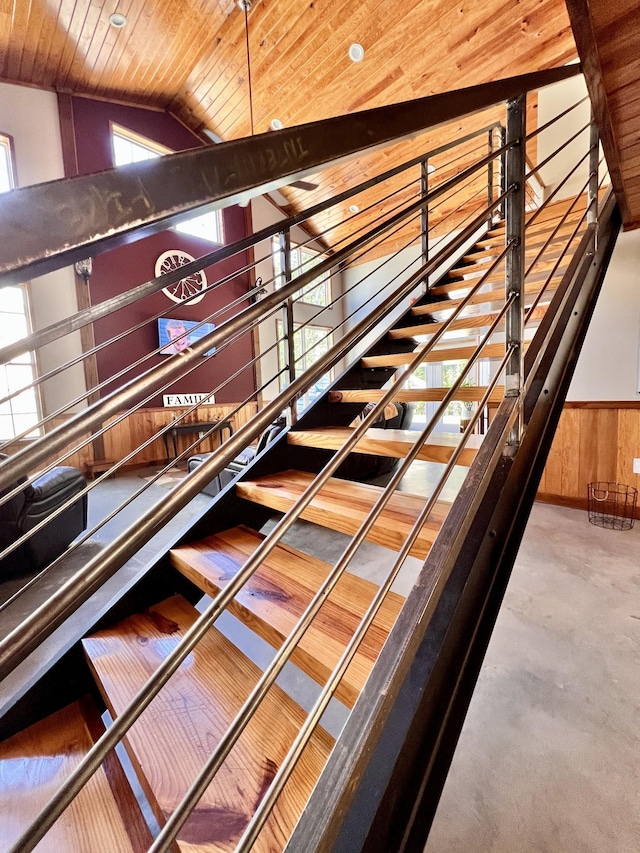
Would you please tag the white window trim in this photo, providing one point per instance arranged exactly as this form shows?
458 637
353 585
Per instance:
196 226
323 280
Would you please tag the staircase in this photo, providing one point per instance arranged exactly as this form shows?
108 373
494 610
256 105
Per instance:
199 705
185 710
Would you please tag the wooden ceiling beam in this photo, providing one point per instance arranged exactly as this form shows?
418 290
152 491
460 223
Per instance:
589 47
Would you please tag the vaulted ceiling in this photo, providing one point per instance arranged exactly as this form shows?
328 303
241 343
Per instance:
189 57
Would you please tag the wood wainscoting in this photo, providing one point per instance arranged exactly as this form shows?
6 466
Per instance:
594 441
125 435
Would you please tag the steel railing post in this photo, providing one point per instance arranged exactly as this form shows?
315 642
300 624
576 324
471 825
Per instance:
490 180
287 317
594 151
424 215
503 169
514 268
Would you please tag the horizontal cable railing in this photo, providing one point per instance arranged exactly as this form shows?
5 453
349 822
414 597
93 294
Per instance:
407 236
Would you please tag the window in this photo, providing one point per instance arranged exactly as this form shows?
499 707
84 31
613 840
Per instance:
129 147
456 411
7 175
436 375
21 412
310 343
317 292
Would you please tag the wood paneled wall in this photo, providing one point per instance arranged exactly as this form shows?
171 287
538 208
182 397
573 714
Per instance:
128 434
594 441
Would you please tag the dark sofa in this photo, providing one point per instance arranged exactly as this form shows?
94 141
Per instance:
241 461
364 466
34 503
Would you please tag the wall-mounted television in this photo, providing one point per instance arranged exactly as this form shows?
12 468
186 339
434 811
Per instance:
176 335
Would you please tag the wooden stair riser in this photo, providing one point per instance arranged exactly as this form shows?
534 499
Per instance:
486 257
388 442
175 735
535 235
476 270
278 593
343 506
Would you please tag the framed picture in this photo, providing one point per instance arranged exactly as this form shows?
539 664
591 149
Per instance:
175 336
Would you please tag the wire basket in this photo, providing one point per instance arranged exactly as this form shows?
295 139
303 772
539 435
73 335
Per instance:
611 505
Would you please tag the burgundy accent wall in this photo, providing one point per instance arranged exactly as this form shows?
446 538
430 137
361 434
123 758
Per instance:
120 269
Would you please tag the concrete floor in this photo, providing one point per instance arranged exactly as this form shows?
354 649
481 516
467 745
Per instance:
549 757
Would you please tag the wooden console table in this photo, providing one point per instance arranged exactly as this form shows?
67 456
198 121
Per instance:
199 427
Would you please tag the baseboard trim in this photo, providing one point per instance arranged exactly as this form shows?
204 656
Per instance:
572 503
601 404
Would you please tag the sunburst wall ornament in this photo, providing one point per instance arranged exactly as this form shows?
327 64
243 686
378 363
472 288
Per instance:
187 287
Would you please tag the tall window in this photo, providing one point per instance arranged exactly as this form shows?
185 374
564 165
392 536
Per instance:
6 164
129 147
318 291
310 343
21 412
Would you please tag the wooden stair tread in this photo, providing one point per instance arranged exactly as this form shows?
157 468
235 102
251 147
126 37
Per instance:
466 393
388 442
277 594
477 321
461 353
175 735
530 290
474 271
343 505
531 248
36 761
535 276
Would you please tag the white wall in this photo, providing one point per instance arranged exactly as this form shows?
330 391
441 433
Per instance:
376 280
552 101
30 116
264 214
608 365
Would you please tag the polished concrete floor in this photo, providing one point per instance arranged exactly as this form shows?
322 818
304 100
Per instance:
549 757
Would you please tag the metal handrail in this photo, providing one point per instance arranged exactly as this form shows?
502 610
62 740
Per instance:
217 176
122 300
145 695
41 449
99 569
39 624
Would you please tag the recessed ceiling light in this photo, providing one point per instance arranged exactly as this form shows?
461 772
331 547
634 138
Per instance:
276 124
354 208
431 169
356 52
117 20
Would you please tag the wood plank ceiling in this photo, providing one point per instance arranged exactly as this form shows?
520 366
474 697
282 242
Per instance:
608 40
189 57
